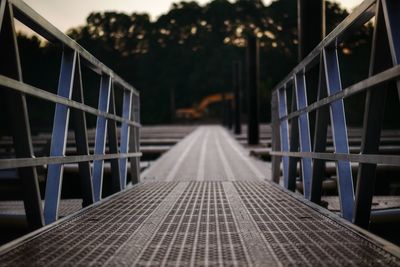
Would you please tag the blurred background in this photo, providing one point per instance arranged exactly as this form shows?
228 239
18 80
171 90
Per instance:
179 54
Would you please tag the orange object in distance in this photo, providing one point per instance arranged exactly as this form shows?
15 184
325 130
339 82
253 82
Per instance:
197 112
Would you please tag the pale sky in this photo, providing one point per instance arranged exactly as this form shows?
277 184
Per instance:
65 14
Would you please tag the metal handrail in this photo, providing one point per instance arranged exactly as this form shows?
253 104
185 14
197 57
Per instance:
123 141
291 131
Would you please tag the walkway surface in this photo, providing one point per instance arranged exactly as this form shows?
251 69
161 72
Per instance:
205 202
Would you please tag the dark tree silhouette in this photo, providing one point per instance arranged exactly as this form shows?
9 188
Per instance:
190 49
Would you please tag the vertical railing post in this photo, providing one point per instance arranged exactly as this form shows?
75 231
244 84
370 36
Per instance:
134 141
59 137
275 160
253 77
293 144
320 136
113 145
385 54
17 113
284 135
101 134
78 123
339 132
304 131
125 134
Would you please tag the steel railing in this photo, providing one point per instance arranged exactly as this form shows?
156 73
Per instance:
122 141
291 127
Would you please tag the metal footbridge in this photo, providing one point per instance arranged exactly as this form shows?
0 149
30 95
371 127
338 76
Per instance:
206 201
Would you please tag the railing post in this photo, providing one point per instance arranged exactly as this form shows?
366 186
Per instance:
320 136
304 131
125 134
293 145
59 136
100 137
17 111
116 185
385 36
284 137
253 76
275 160
339 132
78 123
134 144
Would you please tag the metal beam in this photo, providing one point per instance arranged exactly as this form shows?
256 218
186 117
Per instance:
100 138
59 137
78 123
293 146
359 16
134 144
275 126
17 111
113 146
304 132
36 22
42 94
392 160
320 138
339 132
381 59
370 83
125 134
34 162
284 133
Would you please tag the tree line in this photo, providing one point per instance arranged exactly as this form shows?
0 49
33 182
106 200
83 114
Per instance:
187 53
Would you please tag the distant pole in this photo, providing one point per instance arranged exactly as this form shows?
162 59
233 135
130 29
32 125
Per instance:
237 87
311 25
229 109
224 110
311 31
172 104
253 77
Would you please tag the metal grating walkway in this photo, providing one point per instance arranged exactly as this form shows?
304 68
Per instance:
204 213
210 154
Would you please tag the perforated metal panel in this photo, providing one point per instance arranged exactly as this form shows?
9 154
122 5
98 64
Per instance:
67 206
299 235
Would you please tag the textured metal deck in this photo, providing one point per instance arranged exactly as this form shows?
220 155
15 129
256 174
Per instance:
204 213
11 207
208 154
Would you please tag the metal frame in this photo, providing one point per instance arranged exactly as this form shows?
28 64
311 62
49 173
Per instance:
69 103
295 142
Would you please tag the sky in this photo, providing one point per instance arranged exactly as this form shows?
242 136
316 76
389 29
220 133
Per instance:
66 14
